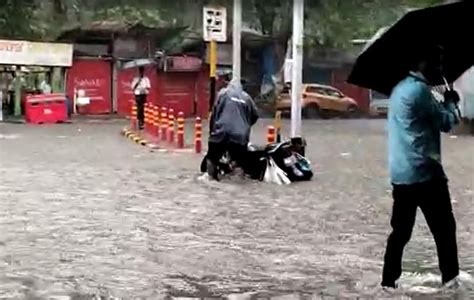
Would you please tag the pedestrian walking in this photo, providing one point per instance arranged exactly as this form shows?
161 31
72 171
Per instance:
414 124
141 87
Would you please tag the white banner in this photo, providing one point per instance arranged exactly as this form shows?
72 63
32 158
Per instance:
35 54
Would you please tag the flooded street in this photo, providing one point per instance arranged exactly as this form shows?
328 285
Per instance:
86 213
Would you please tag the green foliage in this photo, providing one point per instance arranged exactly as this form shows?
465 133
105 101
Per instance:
334 23
129 14
14 19
329 23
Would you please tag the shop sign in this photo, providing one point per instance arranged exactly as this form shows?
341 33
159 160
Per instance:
35 54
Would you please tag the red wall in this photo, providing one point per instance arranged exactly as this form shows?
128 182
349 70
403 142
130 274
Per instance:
94 77
183 91
360 95
178 91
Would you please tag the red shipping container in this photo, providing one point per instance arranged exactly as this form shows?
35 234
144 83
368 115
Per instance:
94 77
46 109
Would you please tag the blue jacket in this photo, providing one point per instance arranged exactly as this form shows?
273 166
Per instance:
415 120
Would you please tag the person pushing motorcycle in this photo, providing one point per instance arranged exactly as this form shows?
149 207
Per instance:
232 117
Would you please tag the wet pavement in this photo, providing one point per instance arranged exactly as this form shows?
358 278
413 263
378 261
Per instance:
85 213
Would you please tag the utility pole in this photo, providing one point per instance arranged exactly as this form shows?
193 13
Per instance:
214 30
212 73
297 67
236 37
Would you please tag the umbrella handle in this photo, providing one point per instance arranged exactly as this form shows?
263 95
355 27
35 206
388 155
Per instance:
448 87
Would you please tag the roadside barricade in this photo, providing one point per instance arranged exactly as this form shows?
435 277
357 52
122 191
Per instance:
46 109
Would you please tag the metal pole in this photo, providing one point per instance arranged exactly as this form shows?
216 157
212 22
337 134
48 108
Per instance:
236 36
212 74
297 67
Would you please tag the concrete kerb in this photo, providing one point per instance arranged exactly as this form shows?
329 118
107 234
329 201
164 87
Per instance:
138 139
134 137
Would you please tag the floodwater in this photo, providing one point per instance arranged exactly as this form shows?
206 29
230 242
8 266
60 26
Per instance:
86 214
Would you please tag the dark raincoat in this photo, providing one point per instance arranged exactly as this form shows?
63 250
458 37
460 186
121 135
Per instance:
233 116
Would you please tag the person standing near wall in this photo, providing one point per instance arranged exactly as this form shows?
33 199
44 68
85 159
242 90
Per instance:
45 85
141 88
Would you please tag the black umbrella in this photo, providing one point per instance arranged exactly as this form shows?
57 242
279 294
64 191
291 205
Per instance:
390 58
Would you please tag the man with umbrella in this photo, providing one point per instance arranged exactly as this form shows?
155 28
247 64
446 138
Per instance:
419 51
414 125
141 87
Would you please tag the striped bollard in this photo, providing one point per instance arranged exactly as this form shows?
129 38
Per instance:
164 123
198 136
150 118
156 121
271 137
133 117
180 132
278 126
147 116
171 126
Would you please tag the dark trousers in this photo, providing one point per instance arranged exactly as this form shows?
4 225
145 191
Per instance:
435 202
140 100
237 153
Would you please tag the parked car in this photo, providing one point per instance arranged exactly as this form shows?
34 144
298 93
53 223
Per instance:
379 103
319 101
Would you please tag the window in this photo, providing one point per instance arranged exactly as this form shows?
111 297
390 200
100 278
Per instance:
315 90
334 93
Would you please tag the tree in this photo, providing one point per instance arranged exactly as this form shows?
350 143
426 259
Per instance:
15 18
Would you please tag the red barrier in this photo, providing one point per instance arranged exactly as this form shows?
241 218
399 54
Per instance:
47 108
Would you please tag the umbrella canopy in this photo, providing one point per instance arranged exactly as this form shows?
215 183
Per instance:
390 58
142 62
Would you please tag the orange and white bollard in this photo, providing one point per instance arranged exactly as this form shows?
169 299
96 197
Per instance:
146 110
164 123
156 121
171 126
198 136
271 135
133 117
180 132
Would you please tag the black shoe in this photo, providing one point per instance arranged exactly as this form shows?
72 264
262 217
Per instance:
212 170
389 286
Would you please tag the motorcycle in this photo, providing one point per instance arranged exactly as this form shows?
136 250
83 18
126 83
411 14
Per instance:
287 155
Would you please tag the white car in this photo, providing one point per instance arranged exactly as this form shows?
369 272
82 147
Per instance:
379 103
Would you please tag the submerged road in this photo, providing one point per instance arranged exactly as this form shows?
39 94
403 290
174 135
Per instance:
85 213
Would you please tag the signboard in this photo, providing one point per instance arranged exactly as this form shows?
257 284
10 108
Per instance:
183 64
215 24
35 54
